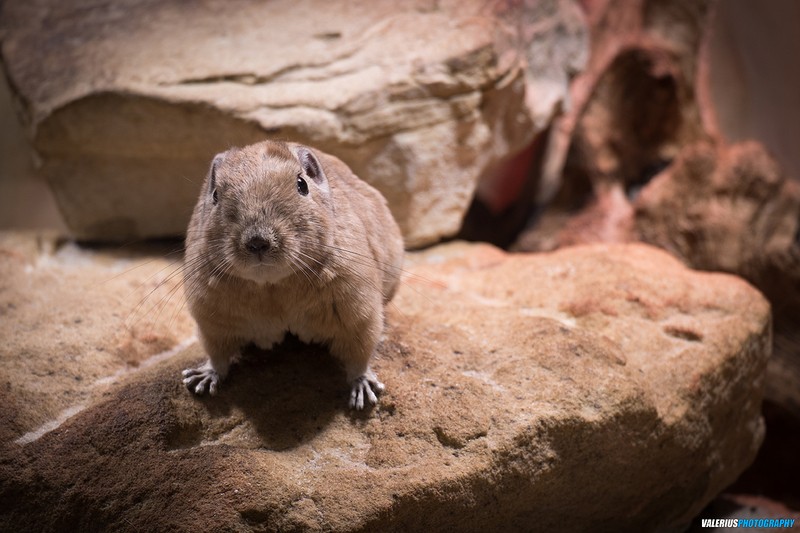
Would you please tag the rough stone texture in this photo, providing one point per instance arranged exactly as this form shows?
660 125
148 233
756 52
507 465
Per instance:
127 102
521 389
722 208
748 88
717 207
634 104
632 108
25 199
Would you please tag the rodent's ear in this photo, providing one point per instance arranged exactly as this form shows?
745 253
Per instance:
311 166
212 177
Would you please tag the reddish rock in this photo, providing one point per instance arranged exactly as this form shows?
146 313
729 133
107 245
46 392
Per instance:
733 209
633 105
722 208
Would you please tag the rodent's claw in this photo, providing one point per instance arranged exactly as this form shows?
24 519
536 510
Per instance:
362 386
200 380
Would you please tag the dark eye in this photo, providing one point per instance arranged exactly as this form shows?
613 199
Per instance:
214 197
302 186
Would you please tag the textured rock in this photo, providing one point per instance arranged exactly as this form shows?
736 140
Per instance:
722 208
520 389
127 104
748 90
634 104
26 201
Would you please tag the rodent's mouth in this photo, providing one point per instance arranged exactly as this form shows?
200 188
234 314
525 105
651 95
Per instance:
262 269
265 259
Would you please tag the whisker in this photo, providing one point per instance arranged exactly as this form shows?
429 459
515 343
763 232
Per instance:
384 266
368 261
304 268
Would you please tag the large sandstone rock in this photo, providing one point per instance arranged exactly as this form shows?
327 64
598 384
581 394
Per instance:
127 103
602 387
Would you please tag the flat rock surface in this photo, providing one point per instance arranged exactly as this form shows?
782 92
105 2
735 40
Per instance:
600 387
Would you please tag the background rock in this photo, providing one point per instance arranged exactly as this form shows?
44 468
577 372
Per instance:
634 109
750 89
518 386
26 201
652 151
748 86
128 102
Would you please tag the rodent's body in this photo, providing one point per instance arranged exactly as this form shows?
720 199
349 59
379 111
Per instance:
285 238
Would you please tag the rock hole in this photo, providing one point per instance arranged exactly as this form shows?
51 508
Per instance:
328 35
683 333
255 517
505 200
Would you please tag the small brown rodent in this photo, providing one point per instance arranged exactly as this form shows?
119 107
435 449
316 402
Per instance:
285 238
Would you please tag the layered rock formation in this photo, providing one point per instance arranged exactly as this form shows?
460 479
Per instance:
127 103
523 391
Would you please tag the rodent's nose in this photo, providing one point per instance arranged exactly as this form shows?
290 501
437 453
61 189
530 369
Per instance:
258 245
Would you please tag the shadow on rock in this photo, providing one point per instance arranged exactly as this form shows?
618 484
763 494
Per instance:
287 395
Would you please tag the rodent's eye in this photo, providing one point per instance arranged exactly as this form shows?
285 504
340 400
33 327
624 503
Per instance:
302 186
214 197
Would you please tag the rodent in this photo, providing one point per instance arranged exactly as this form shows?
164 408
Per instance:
286 238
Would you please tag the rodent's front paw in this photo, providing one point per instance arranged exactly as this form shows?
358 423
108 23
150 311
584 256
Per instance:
201 380
363 387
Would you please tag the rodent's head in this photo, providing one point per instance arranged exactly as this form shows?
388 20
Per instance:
266 212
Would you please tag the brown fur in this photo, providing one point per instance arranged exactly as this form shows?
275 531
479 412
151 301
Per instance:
333 262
